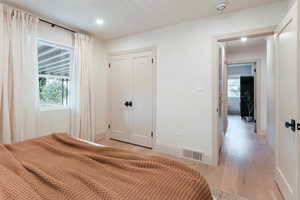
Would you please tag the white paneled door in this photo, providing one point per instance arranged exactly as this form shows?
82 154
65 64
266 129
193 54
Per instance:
287 148
132 94
119 94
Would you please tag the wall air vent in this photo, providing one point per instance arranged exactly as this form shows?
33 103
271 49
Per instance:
193 155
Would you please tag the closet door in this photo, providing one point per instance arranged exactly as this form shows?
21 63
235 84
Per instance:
119 73
142 92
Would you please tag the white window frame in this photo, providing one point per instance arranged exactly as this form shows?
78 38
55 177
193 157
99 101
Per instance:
61 46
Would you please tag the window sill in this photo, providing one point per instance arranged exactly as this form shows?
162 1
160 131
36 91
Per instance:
54 108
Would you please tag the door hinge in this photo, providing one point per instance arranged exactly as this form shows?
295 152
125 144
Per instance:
152 135
152 60
254 70
109 65
108 126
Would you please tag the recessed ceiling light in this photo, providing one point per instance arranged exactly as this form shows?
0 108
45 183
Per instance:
99 21
244 39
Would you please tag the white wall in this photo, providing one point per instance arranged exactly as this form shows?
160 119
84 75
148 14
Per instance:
55 34
100 85
184 74
291 2
271 107
53 121
256 52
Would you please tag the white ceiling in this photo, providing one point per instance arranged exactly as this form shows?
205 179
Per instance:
124 17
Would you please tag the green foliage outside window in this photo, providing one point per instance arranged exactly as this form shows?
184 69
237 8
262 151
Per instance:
51 91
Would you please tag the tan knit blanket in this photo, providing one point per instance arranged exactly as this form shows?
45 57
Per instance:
60 167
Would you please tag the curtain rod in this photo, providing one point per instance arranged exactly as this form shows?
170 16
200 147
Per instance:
53 25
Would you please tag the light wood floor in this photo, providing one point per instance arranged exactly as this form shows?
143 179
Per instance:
246 167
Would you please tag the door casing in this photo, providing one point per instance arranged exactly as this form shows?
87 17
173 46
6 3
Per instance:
234 36
215 78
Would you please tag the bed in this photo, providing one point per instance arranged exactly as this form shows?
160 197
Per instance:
58 167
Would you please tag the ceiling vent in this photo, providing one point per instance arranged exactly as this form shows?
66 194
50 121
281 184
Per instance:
193 155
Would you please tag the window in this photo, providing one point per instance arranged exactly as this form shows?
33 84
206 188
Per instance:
234 87
54 63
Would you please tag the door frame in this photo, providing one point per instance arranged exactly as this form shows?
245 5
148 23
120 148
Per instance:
252 33
153 49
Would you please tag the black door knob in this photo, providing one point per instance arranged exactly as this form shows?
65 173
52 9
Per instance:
291 125
130 103
126 103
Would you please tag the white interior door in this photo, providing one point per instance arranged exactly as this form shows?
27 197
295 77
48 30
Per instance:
287 139
132 94
119 94
141 112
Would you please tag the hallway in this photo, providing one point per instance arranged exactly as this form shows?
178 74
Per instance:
247 165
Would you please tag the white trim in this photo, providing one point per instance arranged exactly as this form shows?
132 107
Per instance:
283 184
53 76
238 64
54 108
132 51
215 102
252 33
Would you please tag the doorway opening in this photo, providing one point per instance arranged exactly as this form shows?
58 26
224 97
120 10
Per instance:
242 106
280 150
245 81
242 94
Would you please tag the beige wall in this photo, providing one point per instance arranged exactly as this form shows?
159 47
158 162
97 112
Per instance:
184 72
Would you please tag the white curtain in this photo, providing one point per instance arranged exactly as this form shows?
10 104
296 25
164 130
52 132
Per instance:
19 106
82 96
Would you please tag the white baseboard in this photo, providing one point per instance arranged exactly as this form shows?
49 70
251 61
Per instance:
283 184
